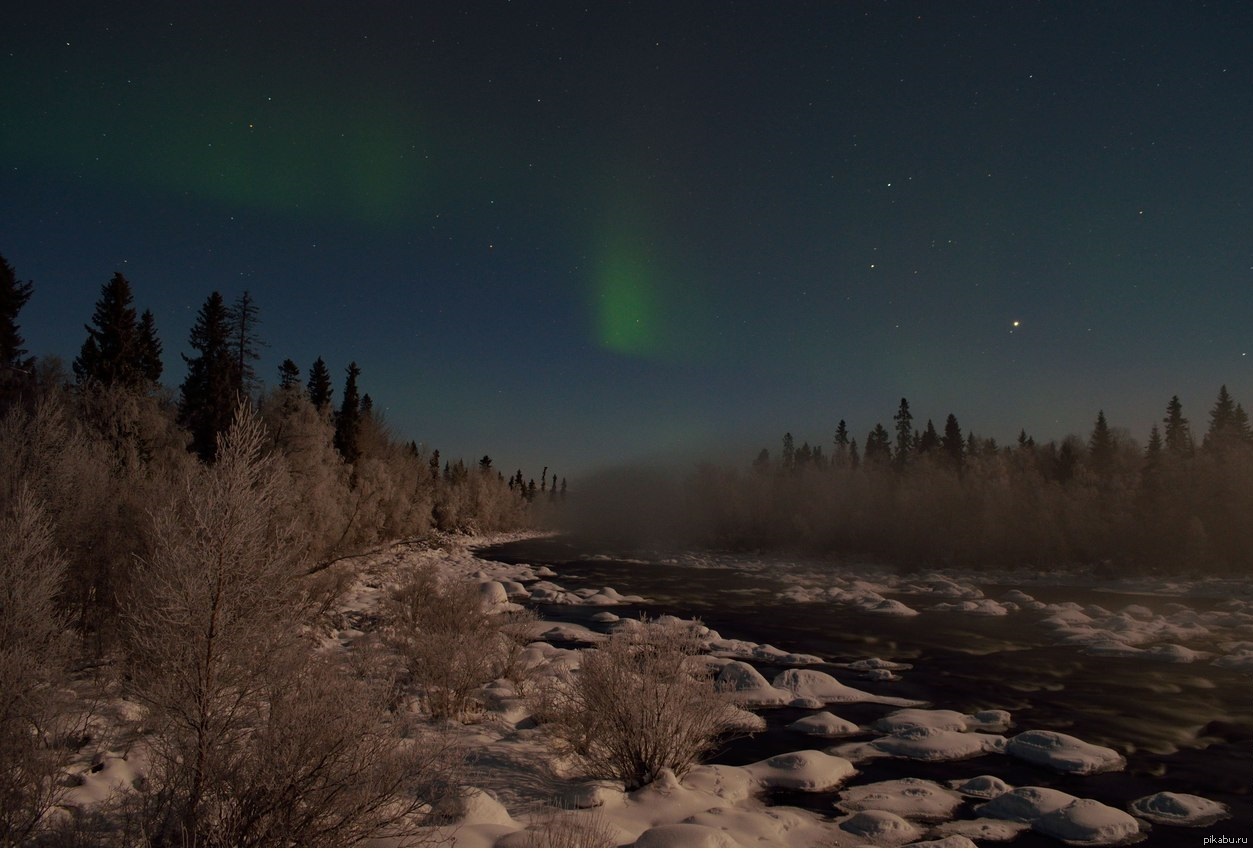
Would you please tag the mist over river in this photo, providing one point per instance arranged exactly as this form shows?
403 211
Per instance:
1184 724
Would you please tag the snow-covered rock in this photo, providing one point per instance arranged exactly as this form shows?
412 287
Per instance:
806 771
1087 822
748 687
984 786
875 827
933 745
909 798
1063 753
1179 809
825 688
824 724
1026 803
684 836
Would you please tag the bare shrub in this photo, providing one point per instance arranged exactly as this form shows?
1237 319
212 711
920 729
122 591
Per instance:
33 638
449 643
556 827
253 740
638 704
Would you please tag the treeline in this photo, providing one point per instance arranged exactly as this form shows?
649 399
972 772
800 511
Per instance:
924 496
102 447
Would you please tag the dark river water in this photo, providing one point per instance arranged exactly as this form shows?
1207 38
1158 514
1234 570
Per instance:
1183 727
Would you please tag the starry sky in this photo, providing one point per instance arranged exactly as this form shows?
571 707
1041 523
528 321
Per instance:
570 234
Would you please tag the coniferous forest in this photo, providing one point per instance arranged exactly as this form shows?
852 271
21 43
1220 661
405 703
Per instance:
919 495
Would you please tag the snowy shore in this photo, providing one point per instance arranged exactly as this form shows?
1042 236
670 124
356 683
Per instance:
521 794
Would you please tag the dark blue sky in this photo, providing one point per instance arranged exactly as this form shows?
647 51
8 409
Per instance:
567 236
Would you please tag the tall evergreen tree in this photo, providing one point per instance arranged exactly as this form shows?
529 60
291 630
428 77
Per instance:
953 444
245 342
210 391
789 452
348 420
320 385
1228 424
1177 437
15 369
929 439
1101 447
878 446
904 434
112 353
288 375
13 297
149 343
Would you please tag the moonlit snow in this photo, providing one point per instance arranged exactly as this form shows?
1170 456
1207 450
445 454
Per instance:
1062 752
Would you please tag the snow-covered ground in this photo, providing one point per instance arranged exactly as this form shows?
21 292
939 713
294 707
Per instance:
521 794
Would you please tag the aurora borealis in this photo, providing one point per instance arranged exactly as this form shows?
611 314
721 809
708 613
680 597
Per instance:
569 235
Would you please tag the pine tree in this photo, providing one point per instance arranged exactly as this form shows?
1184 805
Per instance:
953 444
1227 428
288 375
761 464
245 342
13 297
929 439
854 459
1178 437
904 434
112 353
485 464
840 459
320 385
348 420
367 405
1101 447
15 369
789 453
878 446
210 391
150 348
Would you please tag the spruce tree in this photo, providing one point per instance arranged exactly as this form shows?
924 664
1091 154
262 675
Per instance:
320 385
929 439
904 434
952 443
112 353
150 362
789 453
245 341
840 458
210 391
878 446
13 297
15 369
1228 424
485 464
348 420
1177 437
1101 447
288 375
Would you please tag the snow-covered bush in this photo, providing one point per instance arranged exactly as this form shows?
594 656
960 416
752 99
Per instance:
637 705
450 643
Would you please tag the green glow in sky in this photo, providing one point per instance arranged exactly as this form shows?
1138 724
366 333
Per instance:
227 137
627 302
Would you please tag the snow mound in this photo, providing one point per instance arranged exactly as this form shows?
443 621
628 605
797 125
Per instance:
824 724
942 719
874 663
492 596
982 829
1178 809
984 607
684 836
929 744
805 771
747 722
984 786
827 689
954 841
1063 753
909 798
749 687
875 827
1026 803
604 617
1087 822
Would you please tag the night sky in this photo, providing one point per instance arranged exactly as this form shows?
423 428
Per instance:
569 234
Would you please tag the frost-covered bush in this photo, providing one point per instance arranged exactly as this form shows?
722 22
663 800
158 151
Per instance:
637 705
449 642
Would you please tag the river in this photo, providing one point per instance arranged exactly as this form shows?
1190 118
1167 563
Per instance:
1185 728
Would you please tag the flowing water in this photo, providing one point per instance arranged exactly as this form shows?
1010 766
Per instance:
1183 727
